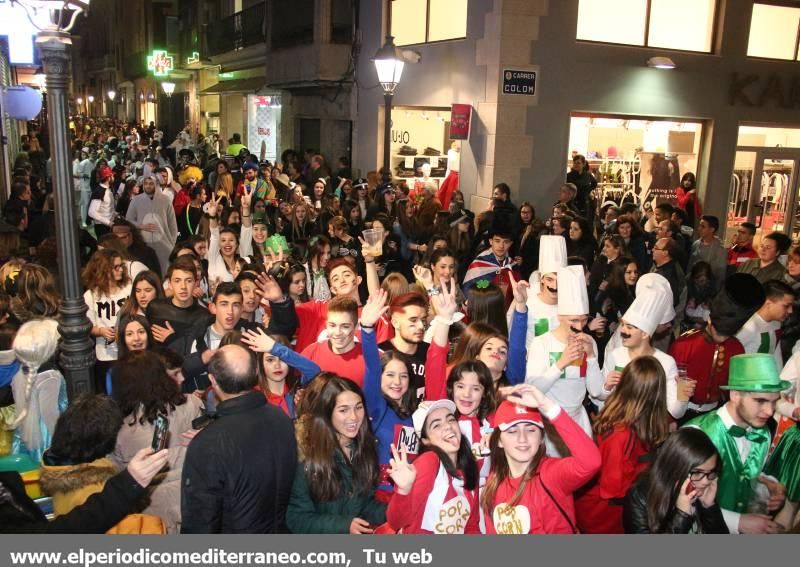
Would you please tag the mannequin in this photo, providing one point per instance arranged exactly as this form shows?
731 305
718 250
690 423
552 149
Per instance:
420 182
450 182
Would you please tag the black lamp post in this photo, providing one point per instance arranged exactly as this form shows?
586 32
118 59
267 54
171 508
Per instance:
389 65
54 43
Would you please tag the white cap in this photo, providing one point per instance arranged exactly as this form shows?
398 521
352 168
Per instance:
647 310
424 408
572 296
658 284
552 253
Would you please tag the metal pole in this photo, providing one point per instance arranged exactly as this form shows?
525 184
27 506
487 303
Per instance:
77 347
387 137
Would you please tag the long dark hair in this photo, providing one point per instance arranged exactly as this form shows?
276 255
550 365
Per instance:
132 305
683 451
501 471
408 403
488 400
142 387
487 305
318 443
465 466
126 320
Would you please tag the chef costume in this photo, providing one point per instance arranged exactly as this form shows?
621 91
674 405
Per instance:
543 317
567 387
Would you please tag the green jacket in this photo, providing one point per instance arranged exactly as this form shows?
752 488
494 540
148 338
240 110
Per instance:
305 516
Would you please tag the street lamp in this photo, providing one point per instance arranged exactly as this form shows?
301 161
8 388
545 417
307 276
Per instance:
54 43
168 87
389 65
112 95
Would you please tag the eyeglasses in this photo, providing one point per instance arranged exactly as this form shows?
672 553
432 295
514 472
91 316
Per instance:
697 476
119 266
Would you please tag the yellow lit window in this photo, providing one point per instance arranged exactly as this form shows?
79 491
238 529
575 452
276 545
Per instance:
424 21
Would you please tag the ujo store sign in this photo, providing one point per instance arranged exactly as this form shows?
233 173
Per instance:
516 82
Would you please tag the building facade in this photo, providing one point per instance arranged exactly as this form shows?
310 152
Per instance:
720 113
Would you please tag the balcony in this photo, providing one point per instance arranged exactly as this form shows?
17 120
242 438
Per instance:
239 31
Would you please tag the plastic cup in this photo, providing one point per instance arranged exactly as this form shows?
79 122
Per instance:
372 236
683 395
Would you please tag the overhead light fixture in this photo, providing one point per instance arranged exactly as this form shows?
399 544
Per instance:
661 63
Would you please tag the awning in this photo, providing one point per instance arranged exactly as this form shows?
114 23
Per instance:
232 86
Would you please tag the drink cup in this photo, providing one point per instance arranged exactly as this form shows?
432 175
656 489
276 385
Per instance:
372 236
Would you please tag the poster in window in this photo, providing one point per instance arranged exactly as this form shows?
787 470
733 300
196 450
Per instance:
460 115
661 175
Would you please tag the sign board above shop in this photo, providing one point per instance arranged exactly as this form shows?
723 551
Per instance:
519 82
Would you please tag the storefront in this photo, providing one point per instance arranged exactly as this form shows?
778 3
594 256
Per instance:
263 126
764 183
639 160
421 149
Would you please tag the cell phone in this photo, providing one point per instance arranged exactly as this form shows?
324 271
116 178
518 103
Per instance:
689 487
160 433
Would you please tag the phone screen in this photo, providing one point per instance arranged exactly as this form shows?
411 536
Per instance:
160 433
689 487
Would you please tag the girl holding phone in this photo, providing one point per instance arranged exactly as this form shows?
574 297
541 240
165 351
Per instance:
677 495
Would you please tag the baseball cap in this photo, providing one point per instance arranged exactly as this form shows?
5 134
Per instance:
510 414
425 408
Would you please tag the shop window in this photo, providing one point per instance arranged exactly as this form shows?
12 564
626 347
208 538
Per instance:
774 32
686 25
426 21
640 160
421 149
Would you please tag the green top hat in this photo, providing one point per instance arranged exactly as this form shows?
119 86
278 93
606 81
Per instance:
755 373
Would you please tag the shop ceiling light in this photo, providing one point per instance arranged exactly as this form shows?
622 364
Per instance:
661 63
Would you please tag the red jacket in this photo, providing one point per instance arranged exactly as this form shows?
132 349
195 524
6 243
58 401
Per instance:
706 362
547 502
405 512
624 457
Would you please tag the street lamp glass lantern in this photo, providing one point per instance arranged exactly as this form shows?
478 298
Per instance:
112 95
168 87
91 99
49 14
389 65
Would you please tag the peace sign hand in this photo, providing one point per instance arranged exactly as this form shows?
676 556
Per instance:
213 205
445 302
247 197
402 472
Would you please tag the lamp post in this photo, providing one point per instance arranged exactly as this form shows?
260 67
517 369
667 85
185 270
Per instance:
54 43
389 65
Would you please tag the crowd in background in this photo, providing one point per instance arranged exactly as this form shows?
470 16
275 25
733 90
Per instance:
325 353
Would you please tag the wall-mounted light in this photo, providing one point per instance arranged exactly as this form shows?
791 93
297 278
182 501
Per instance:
661 63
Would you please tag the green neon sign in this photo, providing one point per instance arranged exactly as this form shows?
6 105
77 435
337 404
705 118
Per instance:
160 63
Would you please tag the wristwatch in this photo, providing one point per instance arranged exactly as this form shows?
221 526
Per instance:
433 291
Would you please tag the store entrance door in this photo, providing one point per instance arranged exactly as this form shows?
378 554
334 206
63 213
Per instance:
764 191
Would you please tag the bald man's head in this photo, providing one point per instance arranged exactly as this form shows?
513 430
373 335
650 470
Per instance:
234 369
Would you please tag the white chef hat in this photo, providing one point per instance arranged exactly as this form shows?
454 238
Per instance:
657 284
572 296
552 256
647 310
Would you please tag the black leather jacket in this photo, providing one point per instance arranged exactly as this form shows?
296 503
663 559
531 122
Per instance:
634 517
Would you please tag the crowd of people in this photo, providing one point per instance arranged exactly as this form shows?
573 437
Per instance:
282 347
